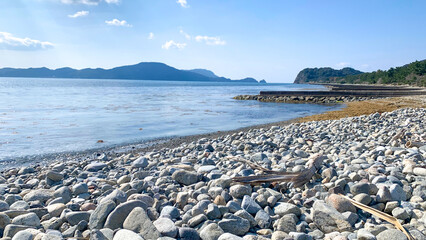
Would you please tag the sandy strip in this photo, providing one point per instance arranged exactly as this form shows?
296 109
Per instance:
353 109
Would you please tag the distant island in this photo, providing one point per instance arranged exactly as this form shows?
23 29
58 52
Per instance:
140 71
412 74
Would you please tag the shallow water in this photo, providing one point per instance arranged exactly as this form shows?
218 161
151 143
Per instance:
42 116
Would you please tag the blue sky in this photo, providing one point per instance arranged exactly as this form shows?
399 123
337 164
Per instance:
271 40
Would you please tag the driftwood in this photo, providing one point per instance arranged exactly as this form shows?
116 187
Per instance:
411 144
254 165
381 215
397 136
298 179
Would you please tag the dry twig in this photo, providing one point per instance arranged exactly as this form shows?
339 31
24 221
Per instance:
381 215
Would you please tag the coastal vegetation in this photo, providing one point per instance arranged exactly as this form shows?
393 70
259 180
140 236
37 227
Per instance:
412 74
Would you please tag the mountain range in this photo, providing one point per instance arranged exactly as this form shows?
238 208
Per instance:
140 71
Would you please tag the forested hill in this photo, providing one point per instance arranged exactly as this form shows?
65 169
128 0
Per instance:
413 74
323 75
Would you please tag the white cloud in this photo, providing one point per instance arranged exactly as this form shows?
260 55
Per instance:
86 2
187 36
151 36
10 42
183 3
342 64
116 22
79 14
210 40
173 44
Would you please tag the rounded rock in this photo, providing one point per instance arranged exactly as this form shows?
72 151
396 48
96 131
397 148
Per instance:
391 234
287 208
116 218
186 233
99 215
340 203
29 219
360 188
185 177
166 227
141 162
125 234
239 191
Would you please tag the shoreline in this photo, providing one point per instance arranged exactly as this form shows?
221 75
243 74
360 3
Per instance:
345 111
348 109
135 147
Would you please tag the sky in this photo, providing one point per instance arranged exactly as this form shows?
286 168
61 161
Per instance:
271 40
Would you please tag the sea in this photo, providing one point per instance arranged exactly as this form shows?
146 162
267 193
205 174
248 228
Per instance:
49 116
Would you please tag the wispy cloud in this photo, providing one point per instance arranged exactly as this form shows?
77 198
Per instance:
187 36
118 23
364 67
151 36
113 1
10 42
210 40
172 44
90 2
79 14
342 64
183 3
85 2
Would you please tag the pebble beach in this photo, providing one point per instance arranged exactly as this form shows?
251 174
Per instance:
187 191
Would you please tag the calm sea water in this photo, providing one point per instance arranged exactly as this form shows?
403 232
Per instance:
41 116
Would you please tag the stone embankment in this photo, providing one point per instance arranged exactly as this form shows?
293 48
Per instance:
187 192
338 93
302 99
